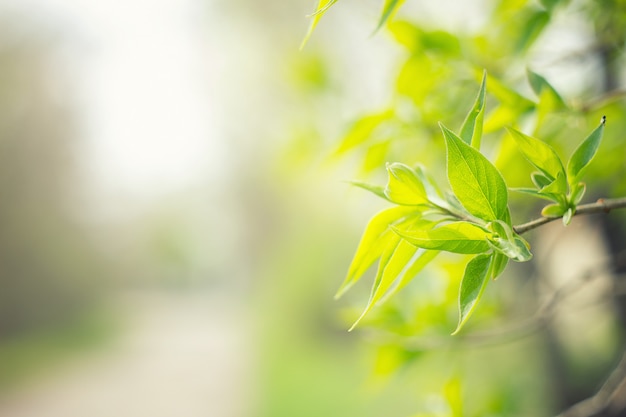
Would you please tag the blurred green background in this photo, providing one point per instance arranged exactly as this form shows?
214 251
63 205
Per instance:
174 220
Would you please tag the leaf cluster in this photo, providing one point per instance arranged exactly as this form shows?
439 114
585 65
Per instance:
470 218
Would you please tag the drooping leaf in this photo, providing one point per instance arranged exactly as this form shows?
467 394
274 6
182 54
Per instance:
538 153
419 262
457 237
322 7
514 248
373 242
473 285
392 262
472 128
475 181
585 152
389 8
404 187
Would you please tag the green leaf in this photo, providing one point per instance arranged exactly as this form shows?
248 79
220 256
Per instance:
507 242
545 91
472 286
538 153
557 188
540 180
536 193
553 210
577 193
567 217
404 186
500 261
393 261
373 242
420 260
322 7
362 130
389 8
475 181
375 189
457 237
585 152
472 128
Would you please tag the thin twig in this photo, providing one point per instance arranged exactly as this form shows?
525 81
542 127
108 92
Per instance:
601 206
602 400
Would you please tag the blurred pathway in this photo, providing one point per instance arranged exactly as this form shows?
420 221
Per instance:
180 356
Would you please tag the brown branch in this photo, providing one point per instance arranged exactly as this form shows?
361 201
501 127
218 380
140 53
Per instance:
601 206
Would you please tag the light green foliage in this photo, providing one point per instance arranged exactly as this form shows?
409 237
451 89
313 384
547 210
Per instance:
475 219
475 181
555 183
472 286
322 7
585 152
389 8
472 129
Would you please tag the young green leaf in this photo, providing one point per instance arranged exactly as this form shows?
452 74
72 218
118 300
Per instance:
472 286
558 187
499 263
540 180
475 181
404 187
536 193
420 260
322 6
545 91
373 242
472 128
538 153
553 210
457 237
578 192
585 152
567 217
392 262
389 8
375 189
362 130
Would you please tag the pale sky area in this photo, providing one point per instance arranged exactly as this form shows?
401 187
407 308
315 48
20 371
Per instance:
142 80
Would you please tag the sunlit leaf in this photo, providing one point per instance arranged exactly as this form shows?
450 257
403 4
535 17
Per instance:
553 210
540 180
375 189
473 285
404 187
472 128
392 262
420 260
373 242
457 237
389 8
322 7
362 130
535 193
556 188
585 152
475 181
538 153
